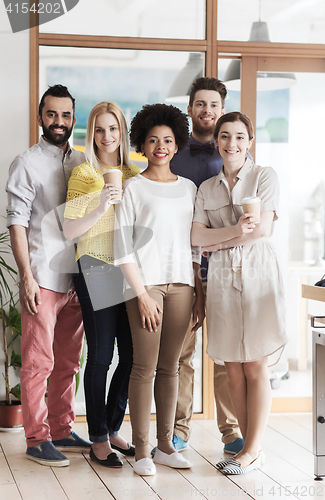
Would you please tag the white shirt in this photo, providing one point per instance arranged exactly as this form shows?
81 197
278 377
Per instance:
153 225
37 185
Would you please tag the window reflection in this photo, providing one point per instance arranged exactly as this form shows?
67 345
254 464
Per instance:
131 78
292 21
134 18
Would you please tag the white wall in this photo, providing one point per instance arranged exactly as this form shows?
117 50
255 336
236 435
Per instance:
14 105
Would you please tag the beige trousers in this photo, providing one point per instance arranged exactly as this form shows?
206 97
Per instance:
227 422
157 352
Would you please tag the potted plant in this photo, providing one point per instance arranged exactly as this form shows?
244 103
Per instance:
10 408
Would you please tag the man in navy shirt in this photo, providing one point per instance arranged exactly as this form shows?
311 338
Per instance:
199 161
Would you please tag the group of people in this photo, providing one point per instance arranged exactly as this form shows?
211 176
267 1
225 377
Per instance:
147 268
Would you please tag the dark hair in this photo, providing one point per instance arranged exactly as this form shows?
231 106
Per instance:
56 91
235 116
208 83
152 115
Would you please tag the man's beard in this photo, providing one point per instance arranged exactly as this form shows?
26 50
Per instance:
202 129
57 139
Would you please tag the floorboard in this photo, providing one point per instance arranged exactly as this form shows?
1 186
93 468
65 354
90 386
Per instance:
287 473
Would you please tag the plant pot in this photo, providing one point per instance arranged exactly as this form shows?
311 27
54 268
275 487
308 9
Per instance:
11 416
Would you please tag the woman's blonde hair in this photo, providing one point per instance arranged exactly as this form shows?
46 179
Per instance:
91 148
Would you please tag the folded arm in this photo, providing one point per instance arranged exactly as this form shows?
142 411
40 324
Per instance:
261 230
203 236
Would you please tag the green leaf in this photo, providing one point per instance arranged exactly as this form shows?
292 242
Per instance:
15 360
14 319
77 376
16 391
82 360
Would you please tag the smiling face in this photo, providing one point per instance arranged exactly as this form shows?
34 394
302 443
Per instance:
159 146
107 137
233 142
205 111
57 120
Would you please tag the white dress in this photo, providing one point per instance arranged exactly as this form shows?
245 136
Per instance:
245 294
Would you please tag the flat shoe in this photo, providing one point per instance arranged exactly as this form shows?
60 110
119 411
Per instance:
130 451
175 460
226 461
235 467
112 460
144 467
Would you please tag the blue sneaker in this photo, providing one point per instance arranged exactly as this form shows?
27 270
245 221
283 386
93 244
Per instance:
234 447
73 442
46 454
178 443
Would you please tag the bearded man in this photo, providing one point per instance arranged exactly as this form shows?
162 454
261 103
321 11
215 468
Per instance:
52 329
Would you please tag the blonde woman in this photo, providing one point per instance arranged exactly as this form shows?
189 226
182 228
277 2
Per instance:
89 216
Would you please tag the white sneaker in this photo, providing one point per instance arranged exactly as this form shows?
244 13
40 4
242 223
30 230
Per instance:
144 467
175 460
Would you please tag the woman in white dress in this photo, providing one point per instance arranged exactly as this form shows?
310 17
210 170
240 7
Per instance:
245 297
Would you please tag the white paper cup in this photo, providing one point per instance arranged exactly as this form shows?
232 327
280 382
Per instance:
114 176
252 205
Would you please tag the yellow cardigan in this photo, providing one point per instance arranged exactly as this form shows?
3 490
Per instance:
83 196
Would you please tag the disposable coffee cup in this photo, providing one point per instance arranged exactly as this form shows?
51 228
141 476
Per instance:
114 176
252 205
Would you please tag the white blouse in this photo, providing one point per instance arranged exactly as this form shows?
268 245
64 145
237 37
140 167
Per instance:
152 229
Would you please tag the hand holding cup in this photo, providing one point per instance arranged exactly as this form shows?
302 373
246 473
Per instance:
252 205
113 177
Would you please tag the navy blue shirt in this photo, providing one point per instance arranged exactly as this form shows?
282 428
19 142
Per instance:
198 168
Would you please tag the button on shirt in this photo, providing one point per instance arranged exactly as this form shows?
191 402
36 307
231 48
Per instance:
36 186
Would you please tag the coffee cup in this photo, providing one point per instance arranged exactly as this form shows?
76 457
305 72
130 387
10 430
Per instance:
114 176
252 205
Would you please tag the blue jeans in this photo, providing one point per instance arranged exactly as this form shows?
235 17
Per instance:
102 327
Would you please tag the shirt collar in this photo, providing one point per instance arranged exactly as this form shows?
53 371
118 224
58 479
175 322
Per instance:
193 141
52 149
242 172
245 168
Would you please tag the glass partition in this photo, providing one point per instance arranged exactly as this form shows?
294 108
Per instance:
233 97
289 132
131 78
133 18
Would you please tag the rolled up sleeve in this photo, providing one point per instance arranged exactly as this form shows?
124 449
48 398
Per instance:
21 193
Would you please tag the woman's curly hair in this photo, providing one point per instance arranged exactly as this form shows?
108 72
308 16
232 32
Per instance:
152 115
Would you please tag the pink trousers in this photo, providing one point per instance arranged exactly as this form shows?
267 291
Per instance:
51 349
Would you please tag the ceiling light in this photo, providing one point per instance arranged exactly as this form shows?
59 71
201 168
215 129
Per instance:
265 80
180 88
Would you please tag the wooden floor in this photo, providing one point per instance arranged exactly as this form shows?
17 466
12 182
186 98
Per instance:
287 473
